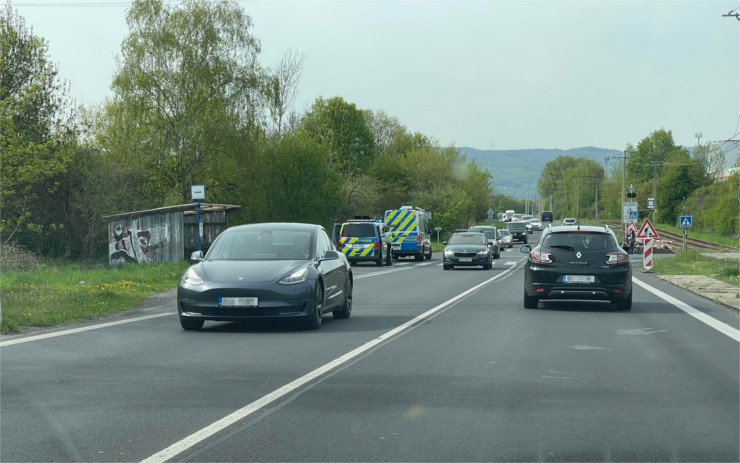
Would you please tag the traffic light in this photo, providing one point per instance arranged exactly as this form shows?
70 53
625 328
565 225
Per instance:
632 195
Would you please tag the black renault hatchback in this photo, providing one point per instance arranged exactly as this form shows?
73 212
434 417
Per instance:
584 262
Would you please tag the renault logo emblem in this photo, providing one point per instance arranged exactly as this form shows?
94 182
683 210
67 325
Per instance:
578 254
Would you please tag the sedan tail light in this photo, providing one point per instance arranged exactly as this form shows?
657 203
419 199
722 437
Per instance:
541 257
615 258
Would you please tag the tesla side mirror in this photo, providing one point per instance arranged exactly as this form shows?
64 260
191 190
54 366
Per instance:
526 248
197 256
331 255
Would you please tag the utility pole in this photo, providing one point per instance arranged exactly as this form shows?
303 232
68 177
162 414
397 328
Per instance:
655 190
624 177
578 199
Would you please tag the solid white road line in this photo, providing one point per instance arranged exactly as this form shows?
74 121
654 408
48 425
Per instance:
55 334
382 272
203 434
723 328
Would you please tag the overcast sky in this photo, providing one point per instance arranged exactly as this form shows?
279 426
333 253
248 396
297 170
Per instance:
484 74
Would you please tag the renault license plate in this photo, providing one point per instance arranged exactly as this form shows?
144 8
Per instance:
238 302
578 279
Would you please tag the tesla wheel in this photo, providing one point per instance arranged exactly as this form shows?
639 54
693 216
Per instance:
314 320
346 310
624 304
191 324
530 302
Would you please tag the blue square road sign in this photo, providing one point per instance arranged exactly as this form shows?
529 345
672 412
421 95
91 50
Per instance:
685 221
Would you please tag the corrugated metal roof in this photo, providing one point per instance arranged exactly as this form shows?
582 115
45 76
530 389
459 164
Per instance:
186 209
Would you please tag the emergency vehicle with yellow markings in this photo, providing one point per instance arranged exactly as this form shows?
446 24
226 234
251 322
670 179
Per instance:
409 232
363 238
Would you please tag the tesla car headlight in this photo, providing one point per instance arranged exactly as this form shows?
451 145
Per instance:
299 276
192 278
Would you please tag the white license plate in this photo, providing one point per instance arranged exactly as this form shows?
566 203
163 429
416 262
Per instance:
237 302
396 246
578 279
466 259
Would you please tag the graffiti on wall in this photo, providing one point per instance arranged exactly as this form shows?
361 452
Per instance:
131 242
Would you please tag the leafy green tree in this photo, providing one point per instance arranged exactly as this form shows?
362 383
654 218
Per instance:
38 137
341 129
188 79
681 176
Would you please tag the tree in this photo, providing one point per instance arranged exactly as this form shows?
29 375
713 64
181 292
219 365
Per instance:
681 176
38 136
341 129
187 80
282 87
712 157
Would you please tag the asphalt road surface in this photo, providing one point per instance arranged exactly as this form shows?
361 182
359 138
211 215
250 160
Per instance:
433 365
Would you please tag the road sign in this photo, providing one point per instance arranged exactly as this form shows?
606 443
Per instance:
647 230
651 203
629 212
631 227
685 221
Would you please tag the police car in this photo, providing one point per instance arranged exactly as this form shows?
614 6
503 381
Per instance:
363 239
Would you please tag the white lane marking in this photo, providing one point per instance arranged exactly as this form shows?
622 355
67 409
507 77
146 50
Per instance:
382 272
39 337
511 263
203 434
723 328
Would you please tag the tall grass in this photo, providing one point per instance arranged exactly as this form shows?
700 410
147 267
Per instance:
59 294
693 263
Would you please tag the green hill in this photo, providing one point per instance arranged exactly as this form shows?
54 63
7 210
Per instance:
516 172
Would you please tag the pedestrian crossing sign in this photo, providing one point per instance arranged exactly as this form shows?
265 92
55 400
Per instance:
685 221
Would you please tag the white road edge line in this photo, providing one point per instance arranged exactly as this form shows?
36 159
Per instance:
203 434
382 272
723 328
55 334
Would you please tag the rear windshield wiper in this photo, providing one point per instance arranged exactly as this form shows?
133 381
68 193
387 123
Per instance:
563 246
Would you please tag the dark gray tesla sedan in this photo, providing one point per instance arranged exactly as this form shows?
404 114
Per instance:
266 271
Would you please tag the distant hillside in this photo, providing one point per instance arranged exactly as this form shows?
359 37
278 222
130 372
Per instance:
516 172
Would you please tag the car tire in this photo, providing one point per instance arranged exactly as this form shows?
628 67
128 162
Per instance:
419 256
346 310
379 262
389 258
191 324
624 304
313 322
446 267
429 255
530 302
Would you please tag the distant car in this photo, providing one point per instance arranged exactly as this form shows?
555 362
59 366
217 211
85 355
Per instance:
535 224
506 237
518 231
492 237
570 221
546 216
584 264
467 249
266 271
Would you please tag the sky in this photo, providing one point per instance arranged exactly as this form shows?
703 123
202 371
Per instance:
492 75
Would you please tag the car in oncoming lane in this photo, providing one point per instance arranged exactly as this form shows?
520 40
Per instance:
582 263
506 238
467 249
570 221
266 271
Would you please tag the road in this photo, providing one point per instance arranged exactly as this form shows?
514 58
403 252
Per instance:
433 366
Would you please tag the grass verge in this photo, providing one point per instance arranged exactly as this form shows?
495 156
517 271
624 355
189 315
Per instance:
61 294
693 263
